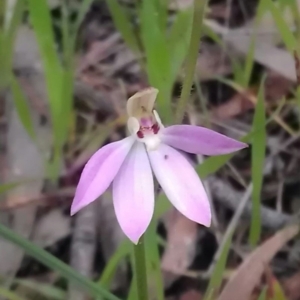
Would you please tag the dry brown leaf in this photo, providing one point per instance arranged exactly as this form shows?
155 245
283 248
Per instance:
276 87
248 275
191 295
237 105
291 286
181 247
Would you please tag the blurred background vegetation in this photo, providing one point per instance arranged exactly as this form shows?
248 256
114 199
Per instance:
67 68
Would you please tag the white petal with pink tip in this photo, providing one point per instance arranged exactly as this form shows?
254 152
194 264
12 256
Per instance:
181 184
133 193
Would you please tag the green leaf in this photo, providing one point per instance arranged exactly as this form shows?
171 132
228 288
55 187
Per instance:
258 156
123 24
22 107
55 264
217 275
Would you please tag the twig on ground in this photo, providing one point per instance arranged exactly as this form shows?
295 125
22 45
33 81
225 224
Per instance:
230 198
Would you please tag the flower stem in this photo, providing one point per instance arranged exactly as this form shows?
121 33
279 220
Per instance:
140 270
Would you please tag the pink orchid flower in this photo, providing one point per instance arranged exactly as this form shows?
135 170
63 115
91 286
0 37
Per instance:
128 164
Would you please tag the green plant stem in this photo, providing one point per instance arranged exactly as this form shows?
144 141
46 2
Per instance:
140 270
199 9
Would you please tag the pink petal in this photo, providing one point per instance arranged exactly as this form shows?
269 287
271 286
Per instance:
133 193
181 184
99 172
199 140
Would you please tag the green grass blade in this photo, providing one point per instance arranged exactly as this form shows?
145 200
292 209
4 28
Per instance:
217 275
249 63
258 156
42 289
278 293
82 11
2 15
238 71
42 24
123 24
10 295
263 294
179 40
158 63
7 186
66 34
122 252
11 33
22 107
162 205
162 13
55 264
199 9
285 32
132 294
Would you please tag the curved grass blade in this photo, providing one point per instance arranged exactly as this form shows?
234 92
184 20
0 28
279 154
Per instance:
55 264
42 289
123 24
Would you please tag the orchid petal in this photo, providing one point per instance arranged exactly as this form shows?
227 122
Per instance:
99 172
199 140
133 193
181 184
